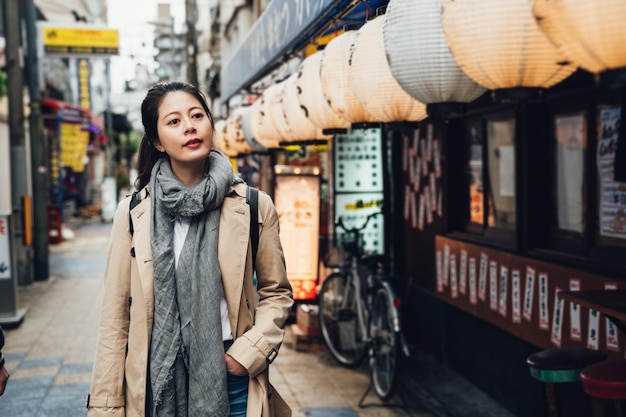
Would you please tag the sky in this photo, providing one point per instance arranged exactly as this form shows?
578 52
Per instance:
132 18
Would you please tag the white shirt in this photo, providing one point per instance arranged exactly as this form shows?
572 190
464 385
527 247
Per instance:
181 227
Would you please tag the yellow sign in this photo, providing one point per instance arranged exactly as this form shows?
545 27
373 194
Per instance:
80 41
84 90
74 143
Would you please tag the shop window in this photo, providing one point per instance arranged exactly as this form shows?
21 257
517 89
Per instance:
501 159
587 220
570 133
490 209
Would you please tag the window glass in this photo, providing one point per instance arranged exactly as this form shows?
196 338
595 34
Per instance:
501 160
571 146
611 193
475 171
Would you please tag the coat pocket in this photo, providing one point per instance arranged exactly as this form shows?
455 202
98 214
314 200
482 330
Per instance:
278 406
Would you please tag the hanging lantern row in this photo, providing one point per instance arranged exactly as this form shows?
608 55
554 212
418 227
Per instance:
430 56
589 34
511 52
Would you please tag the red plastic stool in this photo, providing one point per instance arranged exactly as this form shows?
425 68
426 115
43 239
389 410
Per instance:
560 365
605 382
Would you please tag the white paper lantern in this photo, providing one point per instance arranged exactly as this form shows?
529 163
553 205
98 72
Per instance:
275 99
255 145
419 56
336 81
311 97
260 121
500 46
591 34
300 127
371 79
234 132
220 139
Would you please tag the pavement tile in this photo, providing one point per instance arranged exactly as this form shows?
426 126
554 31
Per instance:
330 412
65 401
76 368
27 390
40 363
23 373
69 379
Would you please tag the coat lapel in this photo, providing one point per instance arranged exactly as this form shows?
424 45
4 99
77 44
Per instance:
143 252
232 249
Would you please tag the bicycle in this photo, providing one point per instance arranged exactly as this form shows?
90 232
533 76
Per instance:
359 313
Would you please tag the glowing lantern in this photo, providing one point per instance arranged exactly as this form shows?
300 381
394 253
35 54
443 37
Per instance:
311 97
420 59
300 127
591 34
255 145
220 139
234 132
511 52
372 82
261 123
336 81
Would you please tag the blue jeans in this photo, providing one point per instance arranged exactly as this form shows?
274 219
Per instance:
237 394
237 391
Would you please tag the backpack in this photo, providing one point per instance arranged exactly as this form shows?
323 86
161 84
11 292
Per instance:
252 199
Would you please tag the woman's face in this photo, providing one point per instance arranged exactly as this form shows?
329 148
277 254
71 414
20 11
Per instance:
184 129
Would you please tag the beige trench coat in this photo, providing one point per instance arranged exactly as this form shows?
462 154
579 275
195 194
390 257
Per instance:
118 386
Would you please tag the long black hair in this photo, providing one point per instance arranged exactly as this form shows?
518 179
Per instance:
148 154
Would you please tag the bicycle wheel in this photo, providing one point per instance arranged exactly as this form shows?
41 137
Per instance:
384 354
339 320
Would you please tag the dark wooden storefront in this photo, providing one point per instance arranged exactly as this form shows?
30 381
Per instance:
526 190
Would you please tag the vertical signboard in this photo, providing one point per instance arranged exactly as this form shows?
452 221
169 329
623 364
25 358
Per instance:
5 170
84 83
358 183
5 253
297 200
8 283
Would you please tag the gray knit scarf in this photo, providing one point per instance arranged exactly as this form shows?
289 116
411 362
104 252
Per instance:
187 372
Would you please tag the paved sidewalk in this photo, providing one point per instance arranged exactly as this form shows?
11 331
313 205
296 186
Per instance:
50 355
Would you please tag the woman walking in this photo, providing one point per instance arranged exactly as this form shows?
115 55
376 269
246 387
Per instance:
180 333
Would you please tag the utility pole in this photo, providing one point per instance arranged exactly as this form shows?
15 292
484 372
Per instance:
22 254
38 149
192 44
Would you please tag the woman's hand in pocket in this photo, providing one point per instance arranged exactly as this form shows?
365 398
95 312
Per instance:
233 366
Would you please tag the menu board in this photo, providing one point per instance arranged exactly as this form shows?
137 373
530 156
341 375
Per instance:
358 183
358 161
297 200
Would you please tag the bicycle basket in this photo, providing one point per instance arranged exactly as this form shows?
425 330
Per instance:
338 248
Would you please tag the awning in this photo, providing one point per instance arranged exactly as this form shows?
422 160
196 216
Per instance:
70 113
283 28
64 11
119 122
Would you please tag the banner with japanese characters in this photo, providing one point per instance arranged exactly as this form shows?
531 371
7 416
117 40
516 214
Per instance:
521 296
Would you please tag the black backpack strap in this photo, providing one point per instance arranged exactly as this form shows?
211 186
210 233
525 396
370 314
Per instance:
252 198
134 200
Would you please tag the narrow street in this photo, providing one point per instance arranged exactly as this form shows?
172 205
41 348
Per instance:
50 354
